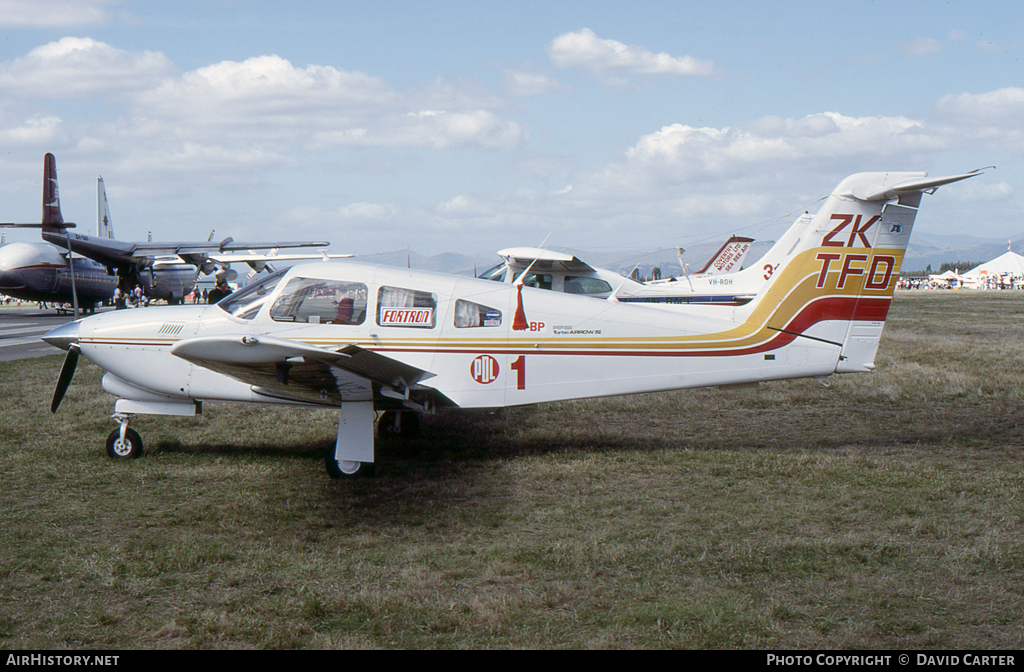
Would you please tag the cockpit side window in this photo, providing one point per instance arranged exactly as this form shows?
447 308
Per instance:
246 302
318 301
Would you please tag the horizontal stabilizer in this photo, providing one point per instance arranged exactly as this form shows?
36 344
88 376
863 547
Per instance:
883 192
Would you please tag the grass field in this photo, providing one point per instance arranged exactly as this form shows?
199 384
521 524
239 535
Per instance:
885 511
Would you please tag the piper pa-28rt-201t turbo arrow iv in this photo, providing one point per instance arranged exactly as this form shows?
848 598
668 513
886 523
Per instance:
367 338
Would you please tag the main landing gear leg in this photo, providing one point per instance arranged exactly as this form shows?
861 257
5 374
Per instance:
352 454
123 443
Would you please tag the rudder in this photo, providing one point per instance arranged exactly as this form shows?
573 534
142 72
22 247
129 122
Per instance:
53 221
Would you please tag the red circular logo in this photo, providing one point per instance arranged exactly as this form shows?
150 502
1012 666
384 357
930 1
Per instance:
484 369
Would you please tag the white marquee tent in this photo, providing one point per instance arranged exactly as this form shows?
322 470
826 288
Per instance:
1008 265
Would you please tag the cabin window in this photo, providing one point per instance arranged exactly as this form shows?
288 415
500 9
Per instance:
397 307
246 302
538 280
469 314
586 285
318 301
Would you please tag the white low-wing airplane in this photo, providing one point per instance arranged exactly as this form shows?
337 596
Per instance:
547 269
366 338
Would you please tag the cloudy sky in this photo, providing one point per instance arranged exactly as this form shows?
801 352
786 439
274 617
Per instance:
471 126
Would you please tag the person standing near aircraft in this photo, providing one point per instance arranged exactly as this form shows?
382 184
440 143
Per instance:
219 291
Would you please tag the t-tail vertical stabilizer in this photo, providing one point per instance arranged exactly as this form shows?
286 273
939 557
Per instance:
831 277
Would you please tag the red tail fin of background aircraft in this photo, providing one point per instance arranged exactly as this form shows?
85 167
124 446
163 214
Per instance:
53 221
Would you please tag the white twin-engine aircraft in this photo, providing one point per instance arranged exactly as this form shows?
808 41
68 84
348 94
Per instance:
366 338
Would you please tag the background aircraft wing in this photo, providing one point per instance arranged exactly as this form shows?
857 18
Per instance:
258 261
289 369
113 252
253 256
153 249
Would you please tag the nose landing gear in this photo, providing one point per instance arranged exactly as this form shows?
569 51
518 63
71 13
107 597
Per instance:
124 443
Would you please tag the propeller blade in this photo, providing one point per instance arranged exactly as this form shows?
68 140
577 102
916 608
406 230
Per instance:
67 372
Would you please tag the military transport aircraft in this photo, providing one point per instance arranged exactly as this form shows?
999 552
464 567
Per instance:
366 338
165 270
42 272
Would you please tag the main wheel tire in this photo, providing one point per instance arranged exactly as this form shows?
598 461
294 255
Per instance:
128 449
344 468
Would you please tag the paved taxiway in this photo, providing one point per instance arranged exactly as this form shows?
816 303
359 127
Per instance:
21 329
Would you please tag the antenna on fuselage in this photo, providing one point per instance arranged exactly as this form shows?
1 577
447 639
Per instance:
519 280
685 266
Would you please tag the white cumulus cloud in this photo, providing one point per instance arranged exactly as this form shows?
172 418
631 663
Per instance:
530 83
609 60
74 67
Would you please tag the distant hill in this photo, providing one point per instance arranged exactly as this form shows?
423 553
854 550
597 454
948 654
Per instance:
936 249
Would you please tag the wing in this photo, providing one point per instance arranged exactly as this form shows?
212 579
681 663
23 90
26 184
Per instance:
113 252
258 261
542 260
208 248
253 256
293 370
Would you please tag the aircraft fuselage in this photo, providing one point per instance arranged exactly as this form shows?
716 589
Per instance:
40 272
514 348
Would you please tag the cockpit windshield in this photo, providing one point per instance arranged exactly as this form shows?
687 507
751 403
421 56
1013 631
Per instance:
246 302
496 273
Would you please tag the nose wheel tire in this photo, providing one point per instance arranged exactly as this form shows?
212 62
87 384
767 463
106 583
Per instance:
124 449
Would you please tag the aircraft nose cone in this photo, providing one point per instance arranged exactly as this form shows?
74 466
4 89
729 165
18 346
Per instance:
11 280
63 336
